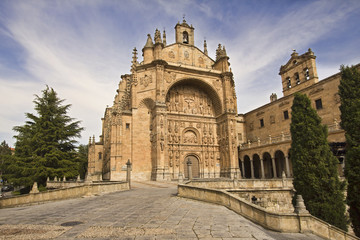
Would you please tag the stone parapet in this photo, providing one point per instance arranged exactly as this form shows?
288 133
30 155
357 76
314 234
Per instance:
282 222
255 184
62 194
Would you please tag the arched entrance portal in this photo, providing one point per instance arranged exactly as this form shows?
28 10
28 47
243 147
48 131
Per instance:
194 166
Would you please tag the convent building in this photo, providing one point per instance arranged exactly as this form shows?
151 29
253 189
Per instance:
178 105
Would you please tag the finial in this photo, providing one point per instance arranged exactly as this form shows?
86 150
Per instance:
134 58
93 138
184 18
205 47
149 42
157 37
164 37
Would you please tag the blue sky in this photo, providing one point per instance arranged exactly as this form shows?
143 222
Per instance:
82 47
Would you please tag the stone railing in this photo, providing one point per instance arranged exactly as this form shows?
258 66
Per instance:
65 193
283 137
225 183
283 222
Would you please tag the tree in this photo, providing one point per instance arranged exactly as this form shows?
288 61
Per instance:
349 91
82 158
45 145
314 166
5 150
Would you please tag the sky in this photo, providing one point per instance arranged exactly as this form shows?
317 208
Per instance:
80 48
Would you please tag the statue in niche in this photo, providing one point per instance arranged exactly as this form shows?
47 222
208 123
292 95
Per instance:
176 127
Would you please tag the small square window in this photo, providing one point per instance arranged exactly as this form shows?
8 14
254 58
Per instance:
286 115
318 104
128 126
261 122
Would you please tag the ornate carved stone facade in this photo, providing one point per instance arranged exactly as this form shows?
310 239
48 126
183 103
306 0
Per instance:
177 105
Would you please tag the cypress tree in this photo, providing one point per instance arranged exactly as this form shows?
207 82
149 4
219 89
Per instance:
45 145
349 91
314 166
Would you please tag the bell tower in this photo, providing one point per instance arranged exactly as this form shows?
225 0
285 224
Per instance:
184 33
299 72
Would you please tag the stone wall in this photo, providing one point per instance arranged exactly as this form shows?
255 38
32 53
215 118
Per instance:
273 200
282 222
61 194
243 183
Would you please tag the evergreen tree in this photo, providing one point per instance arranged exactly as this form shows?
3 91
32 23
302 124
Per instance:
45 145
349 91
82 158
314 166
5 151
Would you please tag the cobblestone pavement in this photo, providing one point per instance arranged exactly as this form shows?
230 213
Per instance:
150 210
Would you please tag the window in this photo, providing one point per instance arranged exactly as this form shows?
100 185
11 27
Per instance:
128 126
288 81
286 115
261 122
185 37
318 104
297 78
100 155
306 73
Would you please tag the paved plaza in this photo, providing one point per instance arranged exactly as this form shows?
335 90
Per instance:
150 210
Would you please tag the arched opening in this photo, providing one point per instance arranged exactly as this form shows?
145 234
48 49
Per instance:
195 169
280 163
185 37
257 167
247 166
193 96
268 168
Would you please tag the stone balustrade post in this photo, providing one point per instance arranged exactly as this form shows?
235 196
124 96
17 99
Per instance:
300 205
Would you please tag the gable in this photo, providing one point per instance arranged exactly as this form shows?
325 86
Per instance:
187 55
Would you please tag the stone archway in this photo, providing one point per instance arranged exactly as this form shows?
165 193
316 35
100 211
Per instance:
247 166
268 167
280 163
195 166
257 166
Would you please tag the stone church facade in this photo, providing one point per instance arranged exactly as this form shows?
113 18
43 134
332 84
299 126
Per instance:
179 105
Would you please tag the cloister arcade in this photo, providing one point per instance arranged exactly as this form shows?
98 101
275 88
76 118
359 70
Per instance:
265 164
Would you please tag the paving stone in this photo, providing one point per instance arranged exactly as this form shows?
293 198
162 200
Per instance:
148 211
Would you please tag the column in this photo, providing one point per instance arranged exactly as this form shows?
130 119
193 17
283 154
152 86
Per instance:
274 167
262 168
287 167
242 168
252 168
189 163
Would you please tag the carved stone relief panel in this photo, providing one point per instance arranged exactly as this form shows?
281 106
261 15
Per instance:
146 80
190 137
189 100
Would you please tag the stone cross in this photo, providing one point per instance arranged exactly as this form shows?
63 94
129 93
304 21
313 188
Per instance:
128 172
189 163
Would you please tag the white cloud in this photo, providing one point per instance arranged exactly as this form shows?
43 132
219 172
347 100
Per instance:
80 48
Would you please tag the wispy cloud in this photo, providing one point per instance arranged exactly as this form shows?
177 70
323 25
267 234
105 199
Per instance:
80 48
